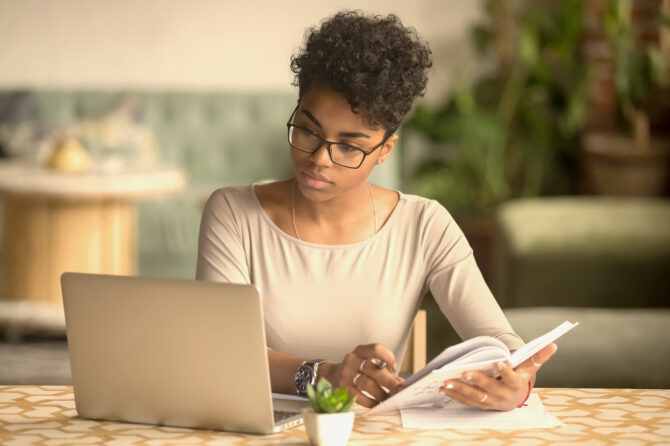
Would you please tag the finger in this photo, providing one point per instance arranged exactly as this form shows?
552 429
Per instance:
488 384
371 351
354 379
512 378
543 355
533 364
361 398
382 377
467 394
351 363
366 384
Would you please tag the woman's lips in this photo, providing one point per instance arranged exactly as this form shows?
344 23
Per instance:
315 181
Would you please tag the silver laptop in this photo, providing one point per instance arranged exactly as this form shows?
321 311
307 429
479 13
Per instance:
171 352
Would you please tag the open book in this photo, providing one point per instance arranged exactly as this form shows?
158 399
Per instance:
480 353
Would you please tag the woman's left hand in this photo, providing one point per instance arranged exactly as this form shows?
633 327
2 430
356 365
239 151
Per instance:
505 393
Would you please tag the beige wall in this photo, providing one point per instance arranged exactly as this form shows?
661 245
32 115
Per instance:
198 44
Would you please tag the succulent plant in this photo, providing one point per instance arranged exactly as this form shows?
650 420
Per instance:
325 399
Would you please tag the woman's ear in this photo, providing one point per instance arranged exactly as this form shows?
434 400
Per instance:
387 148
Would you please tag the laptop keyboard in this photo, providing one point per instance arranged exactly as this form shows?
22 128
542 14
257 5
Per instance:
281 415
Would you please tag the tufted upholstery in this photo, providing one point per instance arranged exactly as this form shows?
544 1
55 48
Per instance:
218 138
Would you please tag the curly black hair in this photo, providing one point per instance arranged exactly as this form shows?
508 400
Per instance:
375 62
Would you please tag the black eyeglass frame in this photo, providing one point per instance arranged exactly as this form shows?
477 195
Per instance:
330 143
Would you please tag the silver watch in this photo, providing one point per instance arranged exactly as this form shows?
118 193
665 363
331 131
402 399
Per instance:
306 374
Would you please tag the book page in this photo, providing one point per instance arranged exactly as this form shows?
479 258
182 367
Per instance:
459 416
482 355
539 343
454 352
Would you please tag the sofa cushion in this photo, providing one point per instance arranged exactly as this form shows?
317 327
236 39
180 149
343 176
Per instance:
613 348
583 251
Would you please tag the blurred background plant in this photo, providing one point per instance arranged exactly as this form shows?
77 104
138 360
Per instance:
630 155
514 131
641 74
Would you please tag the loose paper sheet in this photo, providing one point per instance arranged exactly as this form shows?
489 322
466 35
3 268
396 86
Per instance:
459 416
283 396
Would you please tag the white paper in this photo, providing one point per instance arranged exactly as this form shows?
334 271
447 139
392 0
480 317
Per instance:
455 415
283 396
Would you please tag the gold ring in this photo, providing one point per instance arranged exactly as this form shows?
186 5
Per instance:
360 368
484 399
358 375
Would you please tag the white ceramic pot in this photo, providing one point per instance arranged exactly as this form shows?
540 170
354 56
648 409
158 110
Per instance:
328 429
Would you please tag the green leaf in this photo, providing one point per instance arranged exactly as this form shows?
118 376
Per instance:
310 392
529 44
347 405
323 385
325 399
342 393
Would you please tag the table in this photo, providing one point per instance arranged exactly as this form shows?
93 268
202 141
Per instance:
55 222
47 415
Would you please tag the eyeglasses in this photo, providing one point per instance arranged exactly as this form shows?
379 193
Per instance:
305 140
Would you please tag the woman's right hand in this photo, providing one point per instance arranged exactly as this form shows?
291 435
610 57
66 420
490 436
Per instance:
359 371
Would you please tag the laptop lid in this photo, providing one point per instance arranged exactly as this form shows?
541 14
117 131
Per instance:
168 351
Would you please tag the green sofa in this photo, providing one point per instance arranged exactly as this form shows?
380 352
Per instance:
604 262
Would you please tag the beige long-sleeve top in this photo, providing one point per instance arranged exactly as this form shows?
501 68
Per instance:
321 301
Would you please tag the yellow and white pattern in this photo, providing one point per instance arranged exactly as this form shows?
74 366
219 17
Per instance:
46 415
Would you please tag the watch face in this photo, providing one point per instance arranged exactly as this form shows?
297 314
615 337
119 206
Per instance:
303 376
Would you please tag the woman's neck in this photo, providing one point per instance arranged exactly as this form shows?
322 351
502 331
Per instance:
353 203
352 213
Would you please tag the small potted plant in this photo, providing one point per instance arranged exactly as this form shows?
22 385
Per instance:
328 422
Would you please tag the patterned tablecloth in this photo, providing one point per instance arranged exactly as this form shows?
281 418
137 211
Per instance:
46 415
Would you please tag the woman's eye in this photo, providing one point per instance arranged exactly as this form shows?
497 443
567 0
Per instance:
308 132
347 148
313 133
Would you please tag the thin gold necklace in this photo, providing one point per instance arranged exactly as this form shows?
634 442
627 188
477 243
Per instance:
295 228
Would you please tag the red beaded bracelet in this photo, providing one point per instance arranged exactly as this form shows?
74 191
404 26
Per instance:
530 388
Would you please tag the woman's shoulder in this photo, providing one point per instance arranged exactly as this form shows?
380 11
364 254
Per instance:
422 208
233 201
248 200
230 195
273 193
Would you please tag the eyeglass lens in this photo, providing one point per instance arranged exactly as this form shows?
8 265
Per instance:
339 153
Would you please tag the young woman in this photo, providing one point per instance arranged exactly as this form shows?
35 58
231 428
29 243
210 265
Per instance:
342 264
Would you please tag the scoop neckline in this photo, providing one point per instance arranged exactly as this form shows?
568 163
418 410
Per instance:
295 240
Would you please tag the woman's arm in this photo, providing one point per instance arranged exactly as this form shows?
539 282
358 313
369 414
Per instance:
371 380
221 255
282 371
463 296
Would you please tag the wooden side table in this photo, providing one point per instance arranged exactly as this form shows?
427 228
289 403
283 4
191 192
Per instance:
55 222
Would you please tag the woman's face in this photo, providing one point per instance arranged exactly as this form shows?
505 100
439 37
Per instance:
329 115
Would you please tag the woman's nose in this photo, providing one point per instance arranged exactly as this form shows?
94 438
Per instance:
321 156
